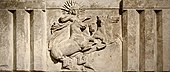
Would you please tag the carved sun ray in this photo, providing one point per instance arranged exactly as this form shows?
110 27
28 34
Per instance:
70 6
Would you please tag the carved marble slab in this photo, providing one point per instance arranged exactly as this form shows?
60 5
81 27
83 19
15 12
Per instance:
85 40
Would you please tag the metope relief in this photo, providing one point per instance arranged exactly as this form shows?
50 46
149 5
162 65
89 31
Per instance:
74 38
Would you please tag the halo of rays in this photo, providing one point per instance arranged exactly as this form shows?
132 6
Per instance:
70 7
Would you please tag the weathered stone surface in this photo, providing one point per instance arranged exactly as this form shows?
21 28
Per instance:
22 40
22 0
159 50
106 60
52 16
12 5
150 40
6 40
125 39
85 37
146 4
90 58
150 51
38 40
166 39
111 55
142 40
133 40
85 3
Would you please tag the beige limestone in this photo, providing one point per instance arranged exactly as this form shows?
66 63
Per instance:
150 52
22 40
150 40
133 40
28 5
52 16
85 3
124 38
146 4
166 41
38 40
139 35
100 57
6 40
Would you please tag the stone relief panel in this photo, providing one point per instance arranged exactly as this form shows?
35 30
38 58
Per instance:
85 40
84 35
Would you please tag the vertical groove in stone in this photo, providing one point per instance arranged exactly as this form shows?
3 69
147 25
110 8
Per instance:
142 40
31 13
14 38
124 35
159 61
32 40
